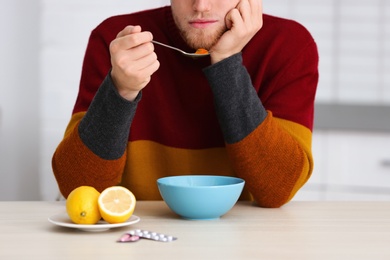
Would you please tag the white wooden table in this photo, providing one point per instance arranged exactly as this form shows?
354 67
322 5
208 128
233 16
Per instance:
299 230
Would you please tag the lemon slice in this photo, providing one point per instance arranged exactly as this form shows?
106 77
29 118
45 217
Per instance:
116 204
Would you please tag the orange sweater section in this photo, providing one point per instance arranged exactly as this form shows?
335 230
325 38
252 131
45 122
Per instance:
253 159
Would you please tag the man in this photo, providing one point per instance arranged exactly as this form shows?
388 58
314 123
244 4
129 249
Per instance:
145 111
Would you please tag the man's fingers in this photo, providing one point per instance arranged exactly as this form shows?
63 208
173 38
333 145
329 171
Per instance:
130 41
129 30
251 12
245 10
140 51
234 19
131 36
256 6
257 11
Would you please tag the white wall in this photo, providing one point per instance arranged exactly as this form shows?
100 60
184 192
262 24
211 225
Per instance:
353 38
19 99
42 47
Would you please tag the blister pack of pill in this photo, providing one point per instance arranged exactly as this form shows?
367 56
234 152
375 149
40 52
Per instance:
137 234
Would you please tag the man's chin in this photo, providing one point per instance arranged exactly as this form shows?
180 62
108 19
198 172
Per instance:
198 45
201 39
198 42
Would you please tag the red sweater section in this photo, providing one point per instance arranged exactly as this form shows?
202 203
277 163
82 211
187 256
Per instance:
182 103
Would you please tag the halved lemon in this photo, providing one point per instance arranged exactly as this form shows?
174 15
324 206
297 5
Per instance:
116 204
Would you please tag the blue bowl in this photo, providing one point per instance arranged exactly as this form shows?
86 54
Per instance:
200 196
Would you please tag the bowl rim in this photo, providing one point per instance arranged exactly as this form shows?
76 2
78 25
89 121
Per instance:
240 181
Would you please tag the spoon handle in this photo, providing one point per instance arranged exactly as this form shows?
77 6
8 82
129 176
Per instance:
192 55
168 46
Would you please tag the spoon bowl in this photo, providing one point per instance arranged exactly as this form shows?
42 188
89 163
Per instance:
188 54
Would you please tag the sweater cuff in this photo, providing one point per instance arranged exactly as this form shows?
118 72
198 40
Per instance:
237 104
106 125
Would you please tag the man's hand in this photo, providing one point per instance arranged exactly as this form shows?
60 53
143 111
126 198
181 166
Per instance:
243 23
133 61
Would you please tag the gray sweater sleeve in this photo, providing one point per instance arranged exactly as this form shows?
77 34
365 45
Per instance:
105 127
237 104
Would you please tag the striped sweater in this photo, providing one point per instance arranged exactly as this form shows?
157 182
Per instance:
250 115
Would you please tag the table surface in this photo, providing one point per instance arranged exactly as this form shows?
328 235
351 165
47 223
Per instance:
299 230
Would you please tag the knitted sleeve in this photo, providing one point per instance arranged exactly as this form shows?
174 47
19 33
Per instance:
93 150
88 155
272 154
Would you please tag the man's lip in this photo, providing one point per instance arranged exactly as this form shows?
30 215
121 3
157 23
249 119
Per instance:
201 23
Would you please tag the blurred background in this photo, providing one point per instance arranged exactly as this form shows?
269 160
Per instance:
41 51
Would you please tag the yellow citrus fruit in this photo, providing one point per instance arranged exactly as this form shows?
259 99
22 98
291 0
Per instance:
116 204
82 205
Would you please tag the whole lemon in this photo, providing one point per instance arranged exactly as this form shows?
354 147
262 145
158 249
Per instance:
82 205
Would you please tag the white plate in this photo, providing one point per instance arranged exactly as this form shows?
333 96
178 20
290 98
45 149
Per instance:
64 221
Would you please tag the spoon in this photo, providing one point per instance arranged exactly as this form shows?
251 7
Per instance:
192 55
